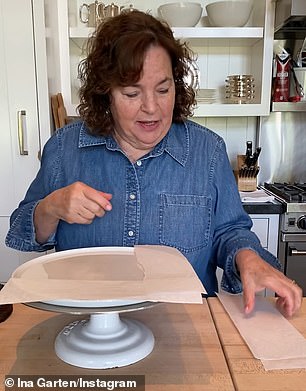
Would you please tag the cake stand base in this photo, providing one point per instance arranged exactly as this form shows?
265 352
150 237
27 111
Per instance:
104 341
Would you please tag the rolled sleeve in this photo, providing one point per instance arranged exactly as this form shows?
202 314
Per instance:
231 279
21 235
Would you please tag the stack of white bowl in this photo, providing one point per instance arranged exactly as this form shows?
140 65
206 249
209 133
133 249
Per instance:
240 88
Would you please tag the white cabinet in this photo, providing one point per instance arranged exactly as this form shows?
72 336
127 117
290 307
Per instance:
266 228
22 89
220 51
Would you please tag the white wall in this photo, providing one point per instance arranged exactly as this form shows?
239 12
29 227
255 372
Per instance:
234 130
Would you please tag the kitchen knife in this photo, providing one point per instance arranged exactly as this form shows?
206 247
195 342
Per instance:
248 153
255 156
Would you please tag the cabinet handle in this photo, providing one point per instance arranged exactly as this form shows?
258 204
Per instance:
22 132
294 251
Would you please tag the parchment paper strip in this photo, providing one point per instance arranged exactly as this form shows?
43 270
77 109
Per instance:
145 273
270 337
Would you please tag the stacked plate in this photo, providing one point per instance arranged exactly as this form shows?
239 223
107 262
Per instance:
206 95
240 88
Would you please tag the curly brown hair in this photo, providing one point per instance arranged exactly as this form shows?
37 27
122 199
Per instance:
116 54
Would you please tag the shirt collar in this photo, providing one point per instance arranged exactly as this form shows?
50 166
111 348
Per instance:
175 143
88 140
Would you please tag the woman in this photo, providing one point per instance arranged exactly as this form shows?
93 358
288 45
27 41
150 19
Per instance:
136 171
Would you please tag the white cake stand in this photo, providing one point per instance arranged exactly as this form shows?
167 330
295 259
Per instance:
104 340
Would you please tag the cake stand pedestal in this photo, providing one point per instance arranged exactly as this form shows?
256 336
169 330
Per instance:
104 340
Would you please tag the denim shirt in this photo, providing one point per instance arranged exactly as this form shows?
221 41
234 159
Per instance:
182 194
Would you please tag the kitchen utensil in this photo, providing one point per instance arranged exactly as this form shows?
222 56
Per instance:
251 159
246 174
255 156
248 153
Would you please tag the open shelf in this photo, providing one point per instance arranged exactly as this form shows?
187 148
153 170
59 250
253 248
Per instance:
288 106
219 52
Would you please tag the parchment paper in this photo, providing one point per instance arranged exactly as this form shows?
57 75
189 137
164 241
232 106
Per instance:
144 273
269 335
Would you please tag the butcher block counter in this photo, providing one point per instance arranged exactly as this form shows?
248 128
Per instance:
187 353
197 347
247 372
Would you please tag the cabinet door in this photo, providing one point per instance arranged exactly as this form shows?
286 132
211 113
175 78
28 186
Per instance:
17 94
261 228
266 228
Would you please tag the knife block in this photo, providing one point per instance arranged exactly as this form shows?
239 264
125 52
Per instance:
244 183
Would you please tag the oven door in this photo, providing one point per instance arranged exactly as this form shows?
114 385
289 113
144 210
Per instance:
295 259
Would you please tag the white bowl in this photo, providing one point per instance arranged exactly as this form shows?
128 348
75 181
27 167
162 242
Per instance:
230 13
181 14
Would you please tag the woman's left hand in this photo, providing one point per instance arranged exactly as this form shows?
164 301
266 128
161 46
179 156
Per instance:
256 275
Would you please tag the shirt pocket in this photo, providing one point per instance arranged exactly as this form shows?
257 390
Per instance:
185 221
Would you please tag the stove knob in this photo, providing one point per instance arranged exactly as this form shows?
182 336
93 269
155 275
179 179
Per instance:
301 223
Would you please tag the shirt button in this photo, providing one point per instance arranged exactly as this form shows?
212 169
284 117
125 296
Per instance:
132 196
131 233
138 163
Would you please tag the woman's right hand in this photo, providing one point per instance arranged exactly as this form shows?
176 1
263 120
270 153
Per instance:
76 203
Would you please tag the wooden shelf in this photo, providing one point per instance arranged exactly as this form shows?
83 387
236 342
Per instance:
80 32
191 32
288 106
229 110
218 32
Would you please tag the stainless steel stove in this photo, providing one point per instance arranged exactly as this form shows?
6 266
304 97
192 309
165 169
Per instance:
292 235
293 197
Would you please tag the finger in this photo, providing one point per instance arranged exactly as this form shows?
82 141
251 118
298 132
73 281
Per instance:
249 290
108 196
96 210
290 298
285 307
78 218
298 296
99 197
92 210
248 299
299 301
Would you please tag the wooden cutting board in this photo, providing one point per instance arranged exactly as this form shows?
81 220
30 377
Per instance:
62 113
54 106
